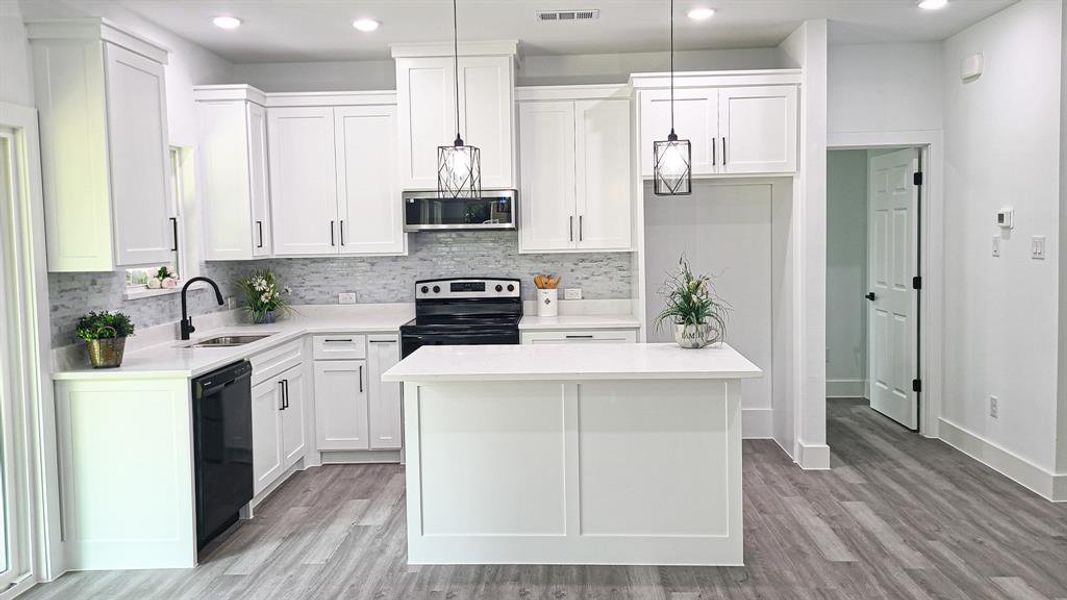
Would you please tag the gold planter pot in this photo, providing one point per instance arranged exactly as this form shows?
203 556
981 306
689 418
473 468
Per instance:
106 353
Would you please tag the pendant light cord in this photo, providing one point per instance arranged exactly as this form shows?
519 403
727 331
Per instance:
455 49
672 67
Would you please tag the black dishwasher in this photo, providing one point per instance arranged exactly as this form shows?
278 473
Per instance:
222 433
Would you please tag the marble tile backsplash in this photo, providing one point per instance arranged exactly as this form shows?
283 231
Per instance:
374 280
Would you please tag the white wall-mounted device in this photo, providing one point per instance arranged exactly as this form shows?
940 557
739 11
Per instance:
1006 218
971 67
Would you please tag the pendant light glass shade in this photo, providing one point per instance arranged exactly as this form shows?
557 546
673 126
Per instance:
673 171
459 166
672 158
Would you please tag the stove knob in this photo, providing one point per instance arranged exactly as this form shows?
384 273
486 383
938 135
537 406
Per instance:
511 287
425 289
437 289
499 288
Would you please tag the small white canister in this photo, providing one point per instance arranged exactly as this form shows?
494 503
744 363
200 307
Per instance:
547 302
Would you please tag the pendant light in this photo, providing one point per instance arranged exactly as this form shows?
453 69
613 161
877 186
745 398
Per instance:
672 158
459 166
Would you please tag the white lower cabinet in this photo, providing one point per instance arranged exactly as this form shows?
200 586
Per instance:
278 439
384 405
341 417
579 336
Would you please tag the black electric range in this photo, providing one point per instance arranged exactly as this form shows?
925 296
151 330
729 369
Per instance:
463 311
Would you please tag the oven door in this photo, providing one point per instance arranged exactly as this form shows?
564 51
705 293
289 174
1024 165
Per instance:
412 341
425 211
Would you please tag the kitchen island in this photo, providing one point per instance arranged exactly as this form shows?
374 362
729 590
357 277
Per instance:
566 454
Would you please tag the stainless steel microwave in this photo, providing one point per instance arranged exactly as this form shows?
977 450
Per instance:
426 211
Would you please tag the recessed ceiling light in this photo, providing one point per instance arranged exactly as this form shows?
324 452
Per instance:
933 4
226 22
701 13
365 25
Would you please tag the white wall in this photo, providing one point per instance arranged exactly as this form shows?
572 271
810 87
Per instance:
1061 457
318 76
885 87
1002 147
16 79
846 272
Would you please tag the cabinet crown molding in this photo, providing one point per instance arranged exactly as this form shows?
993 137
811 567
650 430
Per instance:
95 28
229 92
621 91
429 49
687 79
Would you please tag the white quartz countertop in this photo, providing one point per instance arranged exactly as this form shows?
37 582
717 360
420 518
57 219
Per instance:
179 359
566 362
571 322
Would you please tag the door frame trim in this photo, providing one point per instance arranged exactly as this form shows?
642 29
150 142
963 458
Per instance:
931 260
45 559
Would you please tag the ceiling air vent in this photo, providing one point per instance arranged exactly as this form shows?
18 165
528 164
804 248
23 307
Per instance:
567 15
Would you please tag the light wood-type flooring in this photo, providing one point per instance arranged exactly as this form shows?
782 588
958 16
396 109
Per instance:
898 516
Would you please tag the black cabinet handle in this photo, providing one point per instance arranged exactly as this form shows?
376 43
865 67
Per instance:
581 234
724 150
342 232
259 225
361 379
281 387
331 234
870 296
338 341
714 151
579 337
571 227
174 229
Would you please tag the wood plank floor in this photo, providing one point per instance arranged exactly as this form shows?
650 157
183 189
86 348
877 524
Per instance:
897 516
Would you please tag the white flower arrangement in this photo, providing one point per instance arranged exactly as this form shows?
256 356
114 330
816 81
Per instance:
263 295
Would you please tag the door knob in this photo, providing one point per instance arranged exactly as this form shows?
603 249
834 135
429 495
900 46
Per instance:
870 296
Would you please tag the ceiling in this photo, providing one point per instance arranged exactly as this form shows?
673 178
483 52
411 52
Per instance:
320 30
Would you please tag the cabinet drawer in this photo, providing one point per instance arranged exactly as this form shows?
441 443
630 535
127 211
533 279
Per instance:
266 365
339 347
582 336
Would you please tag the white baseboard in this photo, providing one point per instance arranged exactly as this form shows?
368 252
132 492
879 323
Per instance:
847 388
813 457
1045 483
757 423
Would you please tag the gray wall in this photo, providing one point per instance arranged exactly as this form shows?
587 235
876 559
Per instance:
846 265
374 280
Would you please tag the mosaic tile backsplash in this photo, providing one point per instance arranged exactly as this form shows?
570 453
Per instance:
374 280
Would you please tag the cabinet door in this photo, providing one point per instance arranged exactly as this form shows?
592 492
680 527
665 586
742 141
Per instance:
426 108
303 181
384 403
371 214
259 180
546 160
223 155
292 416
139 159
696 118
266 434
341 405
602 174
487 115
759 129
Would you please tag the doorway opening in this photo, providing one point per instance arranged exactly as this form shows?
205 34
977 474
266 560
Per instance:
874 280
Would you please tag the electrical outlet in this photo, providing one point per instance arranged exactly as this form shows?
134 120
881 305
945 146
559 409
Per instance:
572 293
346 298
1037 247
994 409
996 246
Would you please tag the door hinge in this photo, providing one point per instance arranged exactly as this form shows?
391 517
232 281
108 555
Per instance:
916 385
916 283
917 178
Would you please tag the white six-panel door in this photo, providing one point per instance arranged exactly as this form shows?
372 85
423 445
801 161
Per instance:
370 212
758 129
140 159
303 180
892 234
602 173
547 164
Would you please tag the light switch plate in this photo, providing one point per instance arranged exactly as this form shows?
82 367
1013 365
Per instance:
572 293
996 246
346 298
1037 247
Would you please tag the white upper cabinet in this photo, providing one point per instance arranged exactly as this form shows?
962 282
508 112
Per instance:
738 123
303 180
371 219
233 161
105 154
426 103
575 155
758 126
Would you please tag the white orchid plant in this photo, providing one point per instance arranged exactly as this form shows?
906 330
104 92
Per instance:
264 295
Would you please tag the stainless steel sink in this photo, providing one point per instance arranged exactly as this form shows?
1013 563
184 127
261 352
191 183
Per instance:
226 341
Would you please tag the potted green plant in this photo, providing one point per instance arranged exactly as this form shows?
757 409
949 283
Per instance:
105 336
263 297
697 314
